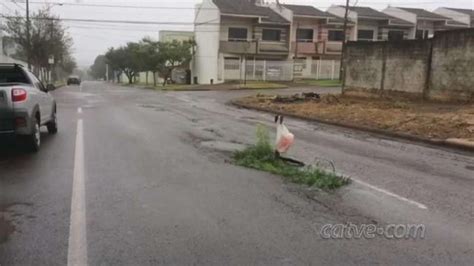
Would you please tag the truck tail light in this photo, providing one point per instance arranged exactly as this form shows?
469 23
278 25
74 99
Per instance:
19 95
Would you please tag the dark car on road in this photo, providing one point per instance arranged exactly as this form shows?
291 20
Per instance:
73 80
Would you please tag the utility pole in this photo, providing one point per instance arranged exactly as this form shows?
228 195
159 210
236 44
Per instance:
28 37
342 71
107 72
51 59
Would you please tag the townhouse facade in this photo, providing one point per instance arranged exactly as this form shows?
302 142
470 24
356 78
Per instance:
231 33
426 23
372 25
255 40
465 16
315 38
248 39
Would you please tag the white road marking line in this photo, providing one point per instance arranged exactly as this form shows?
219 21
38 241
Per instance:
79 110
417 204
77 249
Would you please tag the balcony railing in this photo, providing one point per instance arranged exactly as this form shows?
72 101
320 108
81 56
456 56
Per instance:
329 47
238 47
304 47
253 47
320 47
273 47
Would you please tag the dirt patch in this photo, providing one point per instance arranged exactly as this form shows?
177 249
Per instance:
6 229
407 116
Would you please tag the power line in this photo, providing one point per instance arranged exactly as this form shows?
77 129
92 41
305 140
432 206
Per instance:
115 6
193 8
115 21
7 7
136 22
18 5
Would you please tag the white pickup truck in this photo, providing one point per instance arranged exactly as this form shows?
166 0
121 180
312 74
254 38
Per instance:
25 106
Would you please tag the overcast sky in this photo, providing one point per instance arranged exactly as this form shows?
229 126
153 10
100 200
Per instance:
92 39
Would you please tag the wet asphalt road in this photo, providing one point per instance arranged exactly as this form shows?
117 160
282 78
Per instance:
158 189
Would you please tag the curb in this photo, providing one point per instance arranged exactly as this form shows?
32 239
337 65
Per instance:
206 89
253 89
449 143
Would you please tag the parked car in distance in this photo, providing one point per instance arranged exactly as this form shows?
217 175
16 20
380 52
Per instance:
73 80
25 106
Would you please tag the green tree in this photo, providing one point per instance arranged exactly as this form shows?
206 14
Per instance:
150 56
124 60
173 55
98 69
48 38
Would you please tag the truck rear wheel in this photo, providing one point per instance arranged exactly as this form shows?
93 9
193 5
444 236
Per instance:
34 139
53 124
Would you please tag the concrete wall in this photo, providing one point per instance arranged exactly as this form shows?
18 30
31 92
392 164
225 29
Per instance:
363 65
452 64
207 29
441 67
406 66
171 35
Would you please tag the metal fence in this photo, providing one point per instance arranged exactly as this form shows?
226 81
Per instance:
325 69
269 70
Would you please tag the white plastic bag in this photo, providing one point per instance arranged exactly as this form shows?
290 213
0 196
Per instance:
284 138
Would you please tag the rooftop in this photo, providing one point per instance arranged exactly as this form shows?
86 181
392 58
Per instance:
248 7
370 13
301 10
452 22
469 12
421 13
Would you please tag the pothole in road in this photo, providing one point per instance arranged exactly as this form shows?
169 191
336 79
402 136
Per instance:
222 146
208 142
153 106
6 229
214 131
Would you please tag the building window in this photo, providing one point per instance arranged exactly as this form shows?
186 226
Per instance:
422 34
395 35
365 35
271 35
335 35
304 35
237 34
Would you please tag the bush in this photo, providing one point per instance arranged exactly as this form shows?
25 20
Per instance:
261 156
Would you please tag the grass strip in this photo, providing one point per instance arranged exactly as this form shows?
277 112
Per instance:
322 82
262 85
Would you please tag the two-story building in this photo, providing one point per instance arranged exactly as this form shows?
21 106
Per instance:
372 25
315 35
464 16
234 38
426 23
